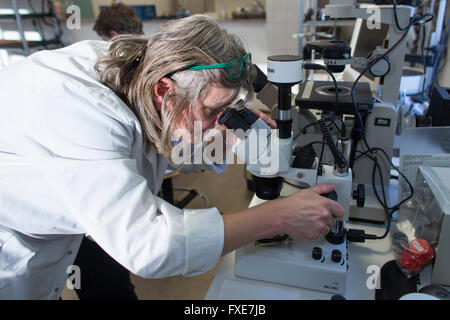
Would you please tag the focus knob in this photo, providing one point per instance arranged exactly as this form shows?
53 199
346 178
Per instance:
317 253
336 256
331 195
359 195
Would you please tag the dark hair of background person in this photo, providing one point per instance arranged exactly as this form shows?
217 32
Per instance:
117 19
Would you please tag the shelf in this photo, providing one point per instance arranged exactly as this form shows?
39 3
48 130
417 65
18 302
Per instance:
11 44
8 14
249 16
25 16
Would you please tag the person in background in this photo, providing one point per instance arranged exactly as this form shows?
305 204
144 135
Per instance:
117 19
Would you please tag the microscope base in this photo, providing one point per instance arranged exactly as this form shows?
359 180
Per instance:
291 263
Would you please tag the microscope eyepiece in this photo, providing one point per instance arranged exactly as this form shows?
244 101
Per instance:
232 120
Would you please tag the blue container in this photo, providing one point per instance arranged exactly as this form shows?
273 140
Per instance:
145 12
149 12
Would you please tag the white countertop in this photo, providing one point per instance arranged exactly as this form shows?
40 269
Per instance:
365 261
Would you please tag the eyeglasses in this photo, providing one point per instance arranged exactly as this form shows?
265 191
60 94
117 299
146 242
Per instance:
235 67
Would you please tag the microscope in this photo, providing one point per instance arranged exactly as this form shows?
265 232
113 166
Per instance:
289 153
375 97
376 123
271 158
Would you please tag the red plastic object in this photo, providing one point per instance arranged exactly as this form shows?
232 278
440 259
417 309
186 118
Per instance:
417 255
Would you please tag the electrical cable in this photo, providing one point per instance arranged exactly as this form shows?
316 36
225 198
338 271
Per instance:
316 66
337 155
341 130
320 165
389 210
321 122
397 206
396 18
415 20
421 20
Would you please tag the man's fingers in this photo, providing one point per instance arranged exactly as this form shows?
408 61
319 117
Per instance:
325 230
336 209
330 221
271 123
323 188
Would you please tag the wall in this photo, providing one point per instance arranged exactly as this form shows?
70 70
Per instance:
85 8
172 6
282 21
162 6
194 6
252 33
232 5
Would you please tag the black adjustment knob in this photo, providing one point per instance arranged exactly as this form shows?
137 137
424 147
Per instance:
359 195
336 256
231 119
304 157
317 253
331 195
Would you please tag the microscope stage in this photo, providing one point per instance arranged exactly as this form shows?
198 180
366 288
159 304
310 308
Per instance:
321 95
291 263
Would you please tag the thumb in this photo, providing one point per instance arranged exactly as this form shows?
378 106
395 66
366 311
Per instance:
323 188
271 123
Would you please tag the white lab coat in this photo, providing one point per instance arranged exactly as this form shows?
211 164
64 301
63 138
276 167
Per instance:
72 163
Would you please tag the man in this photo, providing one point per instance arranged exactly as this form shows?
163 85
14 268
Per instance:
85 142
117 19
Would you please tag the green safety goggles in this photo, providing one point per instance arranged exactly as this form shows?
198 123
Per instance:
235 67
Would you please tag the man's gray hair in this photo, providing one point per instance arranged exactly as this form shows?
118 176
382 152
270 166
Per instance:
134 65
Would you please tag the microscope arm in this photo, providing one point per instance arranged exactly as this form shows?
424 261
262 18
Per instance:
384 13
380 14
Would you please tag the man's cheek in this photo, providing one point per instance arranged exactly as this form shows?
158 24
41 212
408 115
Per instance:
210 124
216 123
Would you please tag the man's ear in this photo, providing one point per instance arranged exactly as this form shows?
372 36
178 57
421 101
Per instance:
160 90
113 33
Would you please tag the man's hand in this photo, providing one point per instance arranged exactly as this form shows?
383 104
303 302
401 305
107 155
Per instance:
306 214
271 123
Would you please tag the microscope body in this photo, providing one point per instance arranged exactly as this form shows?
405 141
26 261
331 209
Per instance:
320 264
317 265
270 158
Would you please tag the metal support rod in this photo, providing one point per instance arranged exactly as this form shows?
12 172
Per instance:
314 20
300 31
20 27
